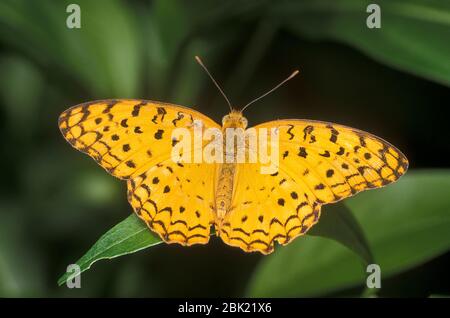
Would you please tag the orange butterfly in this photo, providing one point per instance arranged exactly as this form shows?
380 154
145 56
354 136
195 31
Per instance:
318 163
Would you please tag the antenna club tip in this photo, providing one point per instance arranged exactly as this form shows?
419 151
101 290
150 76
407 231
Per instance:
197 58
294 73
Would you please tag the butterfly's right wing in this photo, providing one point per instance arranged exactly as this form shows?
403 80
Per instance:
132 140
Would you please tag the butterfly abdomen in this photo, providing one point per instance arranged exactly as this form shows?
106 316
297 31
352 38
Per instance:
224 189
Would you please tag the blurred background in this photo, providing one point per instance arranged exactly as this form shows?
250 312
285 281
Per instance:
393 82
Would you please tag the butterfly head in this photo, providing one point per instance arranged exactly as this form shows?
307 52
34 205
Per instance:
234 119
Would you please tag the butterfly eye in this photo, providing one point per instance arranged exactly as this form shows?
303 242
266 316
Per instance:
244 121
225 119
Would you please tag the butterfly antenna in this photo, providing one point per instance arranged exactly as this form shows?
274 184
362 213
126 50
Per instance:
273 89
214 81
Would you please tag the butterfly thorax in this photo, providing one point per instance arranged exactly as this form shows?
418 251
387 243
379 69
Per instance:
227 170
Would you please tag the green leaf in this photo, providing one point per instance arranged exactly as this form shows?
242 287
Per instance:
406 224
309 266
104 55
129 236
339 224
410 38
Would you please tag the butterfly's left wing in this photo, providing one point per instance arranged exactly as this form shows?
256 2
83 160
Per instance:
319 163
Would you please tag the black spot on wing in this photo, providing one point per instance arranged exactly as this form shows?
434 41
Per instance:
307 130
362 141
179 117
124 123
333 138
109 106
302 152
131 164
326 154
126 147
320 186
289 131
137 108
162 111
341 151
159 134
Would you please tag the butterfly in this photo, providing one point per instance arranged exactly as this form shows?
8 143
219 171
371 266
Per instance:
318 163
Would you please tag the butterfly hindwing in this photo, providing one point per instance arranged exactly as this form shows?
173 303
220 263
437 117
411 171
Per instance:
175 200
268 208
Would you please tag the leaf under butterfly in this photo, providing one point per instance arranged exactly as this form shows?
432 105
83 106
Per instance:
129 236
338 223
132 235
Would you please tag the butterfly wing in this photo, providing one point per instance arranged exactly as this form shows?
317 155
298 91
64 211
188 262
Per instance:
176 200
319 163
132 140
126 137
